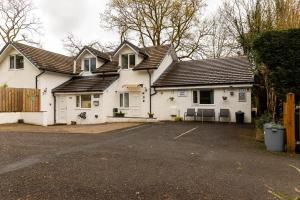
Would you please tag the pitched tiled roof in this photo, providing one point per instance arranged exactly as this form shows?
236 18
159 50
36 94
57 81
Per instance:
86 84
46 60
137 49
156 55
235 70
111 66
96 52
154 58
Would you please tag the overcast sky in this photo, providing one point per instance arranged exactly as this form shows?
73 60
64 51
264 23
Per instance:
81 17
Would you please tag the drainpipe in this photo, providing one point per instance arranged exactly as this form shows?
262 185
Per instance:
150 95
36 78
54 107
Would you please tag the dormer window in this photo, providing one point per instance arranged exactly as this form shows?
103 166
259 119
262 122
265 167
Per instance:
16 62
89 64
127 61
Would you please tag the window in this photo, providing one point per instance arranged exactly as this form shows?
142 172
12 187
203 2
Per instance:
127 61
89 64
242 95
206 97
84 101
124 100
203 97
16 62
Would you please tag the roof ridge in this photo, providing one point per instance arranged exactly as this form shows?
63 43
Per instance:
208 59
18 43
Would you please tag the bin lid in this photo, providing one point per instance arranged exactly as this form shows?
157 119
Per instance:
273 126
239 112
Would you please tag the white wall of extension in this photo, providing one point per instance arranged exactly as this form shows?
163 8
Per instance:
163 107
69 112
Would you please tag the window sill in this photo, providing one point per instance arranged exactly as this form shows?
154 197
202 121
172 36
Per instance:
197 105
16 69
83 108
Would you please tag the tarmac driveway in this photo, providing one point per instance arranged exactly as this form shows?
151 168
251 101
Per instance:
152 161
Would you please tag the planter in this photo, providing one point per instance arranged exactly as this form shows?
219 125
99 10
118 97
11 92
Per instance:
120 114
151 115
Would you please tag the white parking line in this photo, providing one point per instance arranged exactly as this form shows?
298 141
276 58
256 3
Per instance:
133 128
175 138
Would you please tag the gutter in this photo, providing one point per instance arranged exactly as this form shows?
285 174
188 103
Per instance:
36 78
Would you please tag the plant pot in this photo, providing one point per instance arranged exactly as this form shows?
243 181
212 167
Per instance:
120 114
151 115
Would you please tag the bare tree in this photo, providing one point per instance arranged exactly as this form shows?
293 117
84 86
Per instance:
157 22
73 45
246 18
18 23
220 43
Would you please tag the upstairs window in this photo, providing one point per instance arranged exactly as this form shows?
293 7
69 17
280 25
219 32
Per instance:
16 62
127 61
203 97
89 64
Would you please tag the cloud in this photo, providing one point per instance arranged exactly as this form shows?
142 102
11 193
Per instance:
63 16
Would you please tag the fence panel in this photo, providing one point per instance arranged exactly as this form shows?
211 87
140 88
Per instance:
19 100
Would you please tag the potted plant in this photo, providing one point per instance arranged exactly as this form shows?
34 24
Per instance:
178 119
224 98
151 115
172 98
120 114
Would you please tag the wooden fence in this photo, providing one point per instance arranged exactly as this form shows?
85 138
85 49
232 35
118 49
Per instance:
19 100
289 120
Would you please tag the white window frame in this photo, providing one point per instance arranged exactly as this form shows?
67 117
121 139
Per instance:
15 62
128 58
78 104
199 97
123 100
90 64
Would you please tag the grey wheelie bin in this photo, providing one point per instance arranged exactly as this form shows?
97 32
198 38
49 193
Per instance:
274 137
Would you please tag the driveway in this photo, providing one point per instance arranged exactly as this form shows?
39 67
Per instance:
152 161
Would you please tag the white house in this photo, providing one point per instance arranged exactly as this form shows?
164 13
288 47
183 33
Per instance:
89 88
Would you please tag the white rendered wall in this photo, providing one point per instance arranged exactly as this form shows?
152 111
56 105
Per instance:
36 118
73 111
26 78
17 78
163 107
46 83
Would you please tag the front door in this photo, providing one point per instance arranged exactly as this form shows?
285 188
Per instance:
135 104
62 110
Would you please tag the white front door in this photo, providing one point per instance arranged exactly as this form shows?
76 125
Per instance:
135 104
62 110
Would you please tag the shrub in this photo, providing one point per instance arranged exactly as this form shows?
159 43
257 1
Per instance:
265 118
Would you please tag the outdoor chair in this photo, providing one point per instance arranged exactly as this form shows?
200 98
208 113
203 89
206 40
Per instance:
190 113
206 113
224 113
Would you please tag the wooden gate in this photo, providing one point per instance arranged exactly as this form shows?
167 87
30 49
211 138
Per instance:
19 100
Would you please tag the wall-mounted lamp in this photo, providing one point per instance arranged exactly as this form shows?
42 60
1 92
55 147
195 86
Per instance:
45 91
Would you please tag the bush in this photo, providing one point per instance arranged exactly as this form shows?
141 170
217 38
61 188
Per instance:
265 118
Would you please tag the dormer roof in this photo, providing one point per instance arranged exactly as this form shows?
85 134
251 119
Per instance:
138 50
95 52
